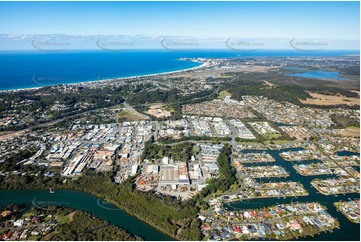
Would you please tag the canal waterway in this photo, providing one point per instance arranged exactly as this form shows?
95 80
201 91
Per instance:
347 231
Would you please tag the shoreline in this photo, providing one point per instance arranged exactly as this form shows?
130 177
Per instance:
262 197
83 192
338 206
101 81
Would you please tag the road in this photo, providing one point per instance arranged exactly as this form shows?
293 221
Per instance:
342 167
126 105
135 112
22 131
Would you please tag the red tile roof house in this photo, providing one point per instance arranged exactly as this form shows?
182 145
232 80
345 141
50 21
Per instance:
279 211
267 214
236 229
8 235
253 214
205 227
295 225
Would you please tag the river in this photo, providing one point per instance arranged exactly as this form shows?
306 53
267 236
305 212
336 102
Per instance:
108 212
86 202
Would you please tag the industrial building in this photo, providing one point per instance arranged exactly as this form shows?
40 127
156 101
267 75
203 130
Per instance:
174 174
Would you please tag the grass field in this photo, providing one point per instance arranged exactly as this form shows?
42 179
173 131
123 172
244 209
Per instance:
270 136
320 99
65 219
129 115
223 94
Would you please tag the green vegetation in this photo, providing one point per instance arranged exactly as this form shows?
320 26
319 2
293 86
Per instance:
128 115
12 163
242 87
32 179
124 115
272 136
343 122
170 216
171 96
179 152
285 89
63 219
85 226
40 101
169 108
16 212
71 224
170 140
227 174
223 94
257 140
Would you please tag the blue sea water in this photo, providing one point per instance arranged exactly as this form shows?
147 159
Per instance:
27 69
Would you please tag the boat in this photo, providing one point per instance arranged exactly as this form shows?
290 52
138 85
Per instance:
51 190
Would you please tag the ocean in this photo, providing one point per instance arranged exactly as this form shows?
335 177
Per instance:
30 69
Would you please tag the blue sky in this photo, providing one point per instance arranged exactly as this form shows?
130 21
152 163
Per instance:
316 20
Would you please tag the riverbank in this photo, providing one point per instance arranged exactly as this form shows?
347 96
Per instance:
173 218
57 223
42 199
164 216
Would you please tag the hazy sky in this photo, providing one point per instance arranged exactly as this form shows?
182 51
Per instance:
326 20
335 23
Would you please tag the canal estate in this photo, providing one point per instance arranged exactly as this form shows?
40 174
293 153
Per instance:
226 206
248 218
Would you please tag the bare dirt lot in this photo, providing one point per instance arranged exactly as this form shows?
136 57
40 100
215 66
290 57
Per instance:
269 84
159 111
321 99
350 132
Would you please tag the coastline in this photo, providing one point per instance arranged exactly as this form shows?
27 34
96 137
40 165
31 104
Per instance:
204 64
101 81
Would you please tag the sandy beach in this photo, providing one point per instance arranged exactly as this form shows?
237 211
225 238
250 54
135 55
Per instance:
101 81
